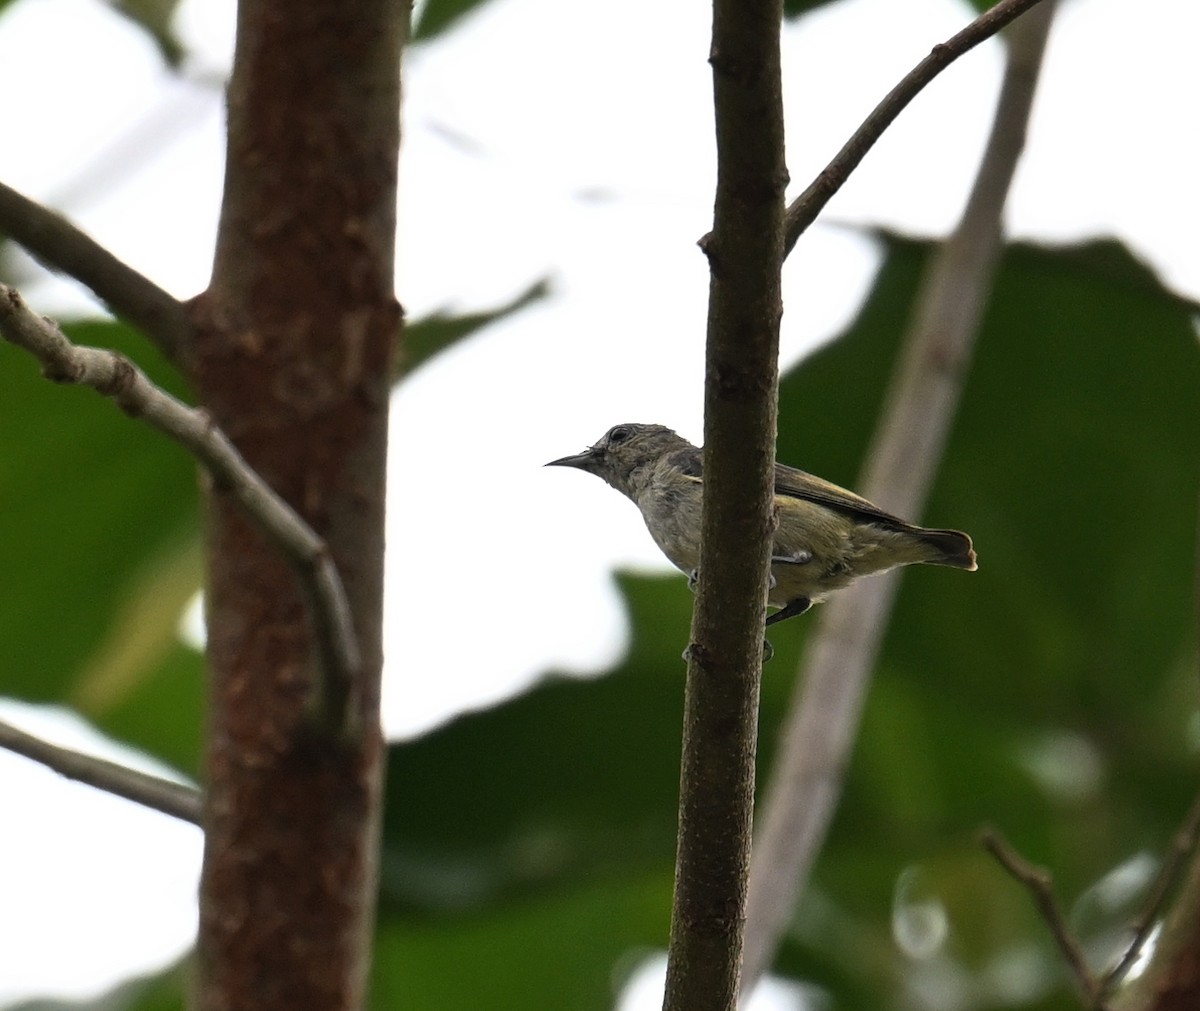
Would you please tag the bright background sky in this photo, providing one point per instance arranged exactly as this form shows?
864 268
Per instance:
541 139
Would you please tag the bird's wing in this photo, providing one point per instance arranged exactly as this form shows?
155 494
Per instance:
689 461
794 483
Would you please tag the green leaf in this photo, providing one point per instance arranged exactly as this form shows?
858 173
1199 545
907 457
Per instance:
99 553
1073 465
439 15
571 949
162 710
156 18
798 8
428 337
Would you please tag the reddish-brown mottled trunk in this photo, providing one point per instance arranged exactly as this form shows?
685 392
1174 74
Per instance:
294 337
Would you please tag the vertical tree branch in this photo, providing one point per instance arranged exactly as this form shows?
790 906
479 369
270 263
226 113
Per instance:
291 357
820 728
745 253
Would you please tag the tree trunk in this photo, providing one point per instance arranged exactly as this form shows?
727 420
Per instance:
294 337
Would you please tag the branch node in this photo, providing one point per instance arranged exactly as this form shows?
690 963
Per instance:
120 384
61 373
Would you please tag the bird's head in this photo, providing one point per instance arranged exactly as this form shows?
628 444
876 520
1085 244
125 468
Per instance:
624 452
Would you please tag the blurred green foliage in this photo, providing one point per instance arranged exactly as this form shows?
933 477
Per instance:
528 848
100 556
157 19
1051 693
431 335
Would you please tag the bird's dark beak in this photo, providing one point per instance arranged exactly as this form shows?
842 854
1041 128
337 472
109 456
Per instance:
583 461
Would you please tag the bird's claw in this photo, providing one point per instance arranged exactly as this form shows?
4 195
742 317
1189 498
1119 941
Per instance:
790 610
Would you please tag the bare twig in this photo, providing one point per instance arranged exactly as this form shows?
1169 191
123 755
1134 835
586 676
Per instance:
116 377
1037 880
820 727
1183 845
1170 978
805 208
163 795
61 246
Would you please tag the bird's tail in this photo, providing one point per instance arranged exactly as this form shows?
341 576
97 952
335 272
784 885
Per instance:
952 548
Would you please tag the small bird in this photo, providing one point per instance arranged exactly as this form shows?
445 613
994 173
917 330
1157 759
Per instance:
826 538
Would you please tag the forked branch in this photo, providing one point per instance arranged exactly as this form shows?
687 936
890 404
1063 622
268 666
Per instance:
61 246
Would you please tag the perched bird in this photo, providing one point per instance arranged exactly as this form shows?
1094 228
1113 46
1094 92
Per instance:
826 536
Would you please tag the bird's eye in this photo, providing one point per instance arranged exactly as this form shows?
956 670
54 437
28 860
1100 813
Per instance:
619 434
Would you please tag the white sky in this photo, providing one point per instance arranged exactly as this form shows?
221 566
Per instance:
540 139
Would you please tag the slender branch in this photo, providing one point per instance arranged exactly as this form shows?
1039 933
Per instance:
61 246
163 795
114 376
1183 845
804 209
820 727
1039 884
745 255
1170 980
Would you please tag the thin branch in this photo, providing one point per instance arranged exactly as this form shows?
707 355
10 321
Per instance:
1183 845
820 728
804 209
1039 884
745 256
1170 978
114 376
175 799
57 243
